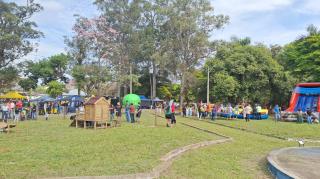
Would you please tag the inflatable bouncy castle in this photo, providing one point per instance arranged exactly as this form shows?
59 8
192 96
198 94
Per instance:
304 96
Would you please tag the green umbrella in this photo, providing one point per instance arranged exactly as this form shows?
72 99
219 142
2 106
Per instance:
131 98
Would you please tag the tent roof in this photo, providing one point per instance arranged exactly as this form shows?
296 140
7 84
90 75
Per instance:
72 98
12 95
142 97
157 100
43 99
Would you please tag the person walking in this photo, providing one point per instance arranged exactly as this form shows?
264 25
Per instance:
276 111
132 111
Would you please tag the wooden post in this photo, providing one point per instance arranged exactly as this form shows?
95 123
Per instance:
155 117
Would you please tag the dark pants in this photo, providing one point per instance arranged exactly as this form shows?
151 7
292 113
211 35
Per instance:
173 119
132 117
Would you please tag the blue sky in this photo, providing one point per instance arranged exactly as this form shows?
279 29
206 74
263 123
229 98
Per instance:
266 21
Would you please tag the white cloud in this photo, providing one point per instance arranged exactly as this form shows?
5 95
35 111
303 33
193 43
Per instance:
240 7
270 22
309 7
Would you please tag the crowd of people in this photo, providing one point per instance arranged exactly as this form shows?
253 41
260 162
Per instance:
132 112
17 110
203 110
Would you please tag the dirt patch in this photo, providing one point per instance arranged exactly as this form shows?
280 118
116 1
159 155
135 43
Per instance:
257 167
4 150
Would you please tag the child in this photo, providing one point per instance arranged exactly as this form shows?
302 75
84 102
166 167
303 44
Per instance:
300 116
132 111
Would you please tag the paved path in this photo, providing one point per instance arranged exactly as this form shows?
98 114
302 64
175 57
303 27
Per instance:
297 162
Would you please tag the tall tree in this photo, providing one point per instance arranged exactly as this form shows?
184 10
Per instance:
46 70
17 31
8 77
55 88
247 73
122 16
189 26
302 56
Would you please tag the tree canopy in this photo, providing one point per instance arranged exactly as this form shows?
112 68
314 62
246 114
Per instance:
16 31
302 56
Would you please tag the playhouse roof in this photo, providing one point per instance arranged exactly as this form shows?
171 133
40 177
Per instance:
94 100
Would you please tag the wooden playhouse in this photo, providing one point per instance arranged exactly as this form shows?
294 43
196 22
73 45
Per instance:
96 112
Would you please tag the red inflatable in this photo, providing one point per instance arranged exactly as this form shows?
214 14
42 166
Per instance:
304 96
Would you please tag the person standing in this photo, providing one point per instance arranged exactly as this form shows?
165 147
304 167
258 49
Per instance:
173 117
4 109
184 111
127 111
139 112
300 116
12 107
168 113
118 111
229 111
111 112
259 112
45 110
246 112
33 111
16 115
132 111
309 116
276 111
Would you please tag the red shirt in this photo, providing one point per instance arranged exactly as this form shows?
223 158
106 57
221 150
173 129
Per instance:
132 109
172 108
19 104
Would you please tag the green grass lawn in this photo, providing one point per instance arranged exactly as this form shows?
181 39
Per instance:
282 129
245 157
52 148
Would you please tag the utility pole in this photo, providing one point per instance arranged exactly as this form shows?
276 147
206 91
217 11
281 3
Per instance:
208 86
130 79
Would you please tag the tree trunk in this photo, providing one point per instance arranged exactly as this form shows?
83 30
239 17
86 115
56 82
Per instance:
125 90
118 89
208 86
182 91
130 79
154 81
151 85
